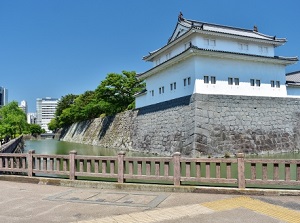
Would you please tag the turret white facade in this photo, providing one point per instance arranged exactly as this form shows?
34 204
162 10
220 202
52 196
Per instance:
214 59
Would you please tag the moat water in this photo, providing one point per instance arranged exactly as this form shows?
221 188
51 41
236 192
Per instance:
51 146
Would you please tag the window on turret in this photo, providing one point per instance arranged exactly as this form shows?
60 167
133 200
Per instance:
161 90
213 80
210 42
186 81
157 62
254 82
206 79
243 47
263 49
173 86
258 83
236 81
230 81
152 93
168 56
275 84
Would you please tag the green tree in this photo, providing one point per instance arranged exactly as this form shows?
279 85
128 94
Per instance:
117 91
13 120
86 107
65 102
114 94
35 129
53 125
66 118
62 118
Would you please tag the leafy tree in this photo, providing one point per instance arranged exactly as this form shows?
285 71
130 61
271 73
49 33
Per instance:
117 90
114 94
61 117
66 118
35 129
53 125
85 106
13 120
65 102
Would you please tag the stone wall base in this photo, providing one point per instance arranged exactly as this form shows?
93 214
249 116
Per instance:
198 125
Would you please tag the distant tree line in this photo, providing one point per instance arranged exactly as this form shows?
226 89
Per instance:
114 94
13 122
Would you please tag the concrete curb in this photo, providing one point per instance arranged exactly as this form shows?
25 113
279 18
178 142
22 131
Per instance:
148 187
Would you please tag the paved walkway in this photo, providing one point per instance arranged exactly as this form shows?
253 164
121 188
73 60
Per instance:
25 202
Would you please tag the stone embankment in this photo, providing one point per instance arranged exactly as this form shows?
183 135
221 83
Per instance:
13 146
198 125
109 132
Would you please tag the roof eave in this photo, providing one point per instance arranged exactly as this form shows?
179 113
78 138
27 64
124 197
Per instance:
276 42
167 46
213 53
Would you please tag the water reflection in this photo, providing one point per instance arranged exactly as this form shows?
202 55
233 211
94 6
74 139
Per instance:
51 146
295 155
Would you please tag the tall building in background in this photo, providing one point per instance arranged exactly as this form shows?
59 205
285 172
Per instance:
24 107
45 111
3 96
31 118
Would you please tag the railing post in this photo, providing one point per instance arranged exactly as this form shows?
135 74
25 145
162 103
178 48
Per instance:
121 155
177 172
72 164
241 170
30 163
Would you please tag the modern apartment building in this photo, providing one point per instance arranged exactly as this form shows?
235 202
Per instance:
3 96
45 111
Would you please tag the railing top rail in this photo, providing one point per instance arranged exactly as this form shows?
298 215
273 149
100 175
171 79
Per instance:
50 156
291 161
209 160
83 157
13 154
148 159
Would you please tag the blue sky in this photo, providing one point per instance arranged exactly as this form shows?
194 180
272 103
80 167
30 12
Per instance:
50 48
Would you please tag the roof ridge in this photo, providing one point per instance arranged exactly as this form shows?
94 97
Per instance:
291 73
192 22
219 25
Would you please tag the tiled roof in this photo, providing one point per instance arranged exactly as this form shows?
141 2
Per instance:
292 59
216 29
228 30
293 78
